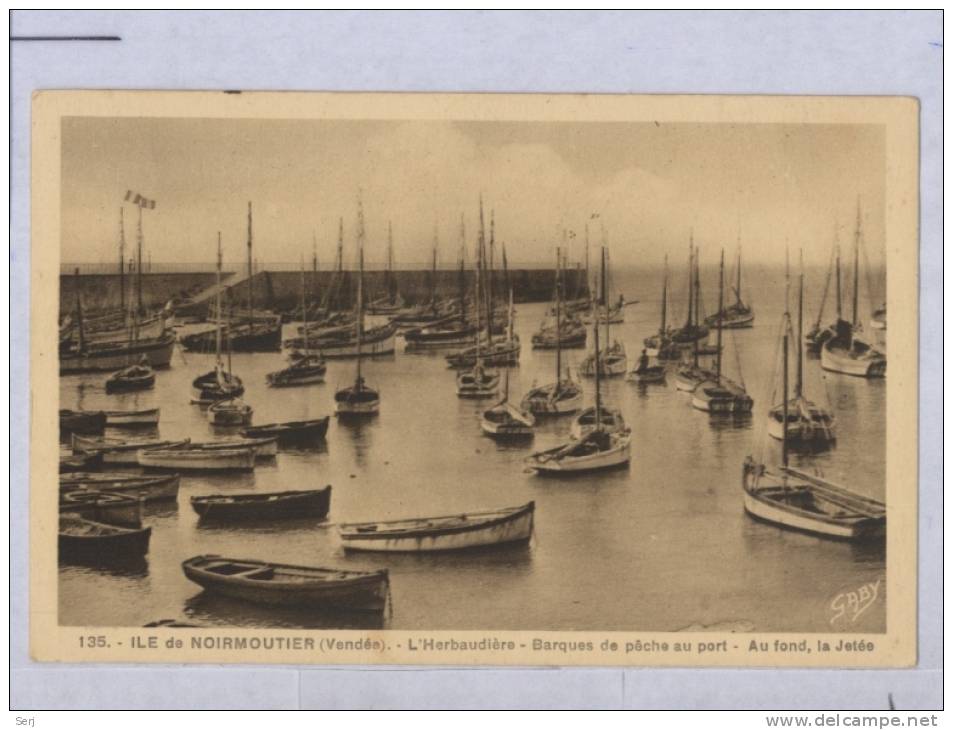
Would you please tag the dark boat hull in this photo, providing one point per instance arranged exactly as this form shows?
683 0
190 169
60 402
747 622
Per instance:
285 505
296 430
82 421
261 338
119 546
117 355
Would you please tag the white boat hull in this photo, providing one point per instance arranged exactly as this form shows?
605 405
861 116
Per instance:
199 459
517 530
383 346
614 457
836 361
765 510
132 418
508 430
365 408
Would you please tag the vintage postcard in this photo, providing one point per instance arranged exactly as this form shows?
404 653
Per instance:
474 379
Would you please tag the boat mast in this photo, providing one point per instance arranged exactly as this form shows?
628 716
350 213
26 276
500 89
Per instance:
139 309
79 311
506 384
478 264
587 257
559 343
491 279
721 307
837 273
856 271
664 295
360 285
595 334
304 310
461 283
433 270
799 383
694 322
487 278
314 264
122 267
784 397
738 274
691 277
218 304
605 291
339 274
251 291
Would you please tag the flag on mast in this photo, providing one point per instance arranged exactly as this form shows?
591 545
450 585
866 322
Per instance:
140 200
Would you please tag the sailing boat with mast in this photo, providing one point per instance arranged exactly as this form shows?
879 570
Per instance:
560 329
599 448
800 422
691 374
719 394
392 302
693 330
563 396
737 315
611 360
218 384
796 500
661 345
846 352
358 399
479 382
505 420
306 369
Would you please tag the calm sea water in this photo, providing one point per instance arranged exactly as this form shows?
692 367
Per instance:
662 545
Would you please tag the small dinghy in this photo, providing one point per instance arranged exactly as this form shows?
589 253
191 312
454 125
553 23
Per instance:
198 459
216 386
149 488
107 507
555 399
506 421
312 503
82 421
231 412
315 429
444 533
118 451
612 361
306 370
478 382
275 584
146 417
80 462
81 539
140 376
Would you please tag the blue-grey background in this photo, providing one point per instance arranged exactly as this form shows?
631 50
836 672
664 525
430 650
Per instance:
720 52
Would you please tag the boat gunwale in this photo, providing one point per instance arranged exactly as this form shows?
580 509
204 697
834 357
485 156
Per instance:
348 530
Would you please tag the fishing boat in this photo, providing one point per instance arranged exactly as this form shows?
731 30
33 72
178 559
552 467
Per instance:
800 421
80 462
229 412
105 356
611 360
796 500
440 534
255 334
504 420
186 458
342 343
312 503
140 376
662 345
719 395
107 507
736 315
391 302
313 429
220 383
571 334
358 399
503 353
693 330
563 396
127 419
644 373
584 422
845 351
478 382
81 539
149 488
818 334
82 421
597 449
307 369
275 584
119 451
691 374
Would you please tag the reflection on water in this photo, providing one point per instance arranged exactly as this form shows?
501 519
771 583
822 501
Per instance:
660 545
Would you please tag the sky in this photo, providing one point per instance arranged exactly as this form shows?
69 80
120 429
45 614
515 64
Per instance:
642 188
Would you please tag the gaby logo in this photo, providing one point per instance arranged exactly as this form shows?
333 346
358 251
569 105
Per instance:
851 604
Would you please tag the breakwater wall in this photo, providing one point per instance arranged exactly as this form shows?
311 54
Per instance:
281 290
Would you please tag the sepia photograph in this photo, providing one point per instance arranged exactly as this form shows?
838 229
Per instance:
476 378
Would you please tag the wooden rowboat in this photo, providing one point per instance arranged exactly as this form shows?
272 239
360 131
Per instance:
82 540
312 503
149 488
231 412
147 417
290 430
118 451
135 377
265 448
275 584
438 534
80 462
107 507
198 459
82 421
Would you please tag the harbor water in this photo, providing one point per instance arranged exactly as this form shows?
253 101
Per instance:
661 545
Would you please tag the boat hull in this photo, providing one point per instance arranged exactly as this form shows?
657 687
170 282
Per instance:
117 544
294 431
311 504
517 528
373 348
610 459
365 593
149 417
758 506
198 459
838 360
118 356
